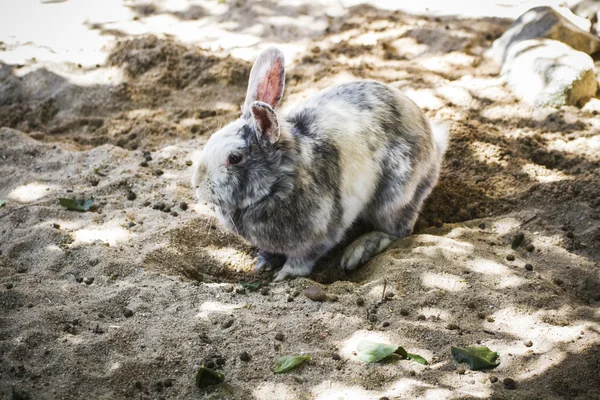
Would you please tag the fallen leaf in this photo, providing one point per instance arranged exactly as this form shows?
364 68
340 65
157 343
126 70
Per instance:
76 205
207 377
416 358
372 352
287 363
476 357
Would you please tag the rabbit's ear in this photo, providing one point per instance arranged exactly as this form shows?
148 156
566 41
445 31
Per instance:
267 79
265 121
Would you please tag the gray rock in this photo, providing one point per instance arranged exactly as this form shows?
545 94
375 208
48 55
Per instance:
587 9
545 72
543 22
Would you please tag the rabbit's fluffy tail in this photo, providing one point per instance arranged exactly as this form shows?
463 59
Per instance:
441 135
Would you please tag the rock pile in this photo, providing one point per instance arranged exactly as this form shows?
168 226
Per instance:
545 58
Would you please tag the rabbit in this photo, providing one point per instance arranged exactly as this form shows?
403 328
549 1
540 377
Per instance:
293 185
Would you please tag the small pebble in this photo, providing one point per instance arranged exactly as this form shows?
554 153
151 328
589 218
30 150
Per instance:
168 382
88 281
131 224
94 182
404 312
279 337
290 299
558 281
336 356
131 195
144 164
385 324
227 324
228 288
482 225
56 226
244 356
528 343
79 279
158 172
210 364
360 302
490 319
461 370
127 313
9 285
240 290
570 235
530 248
389 295
493 379
148 157
159 206
384 398
264 291
183 205
510 257
188 163
509 383
220 361
529 267
452 326
471 305
421 317
315 293
167 209
174 213
480 315
146 203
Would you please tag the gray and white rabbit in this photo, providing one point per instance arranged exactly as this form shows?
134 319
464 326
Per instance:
292 185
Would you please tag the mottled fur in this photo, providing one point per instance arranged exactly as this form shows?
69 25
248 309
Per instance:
359 150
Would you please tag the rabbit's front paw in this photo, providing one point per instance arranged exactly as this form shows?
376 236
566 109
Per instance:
294 267
364 248
268 261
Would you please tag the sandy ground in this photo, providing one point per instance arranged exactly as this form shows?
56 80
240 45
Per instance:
128 300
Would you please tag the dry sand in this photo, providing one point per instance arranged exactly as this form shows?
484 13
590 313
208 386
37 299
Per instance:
128 300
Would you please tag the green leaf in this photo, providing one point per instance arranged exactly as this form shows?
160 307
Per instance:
97 172
476 357
252 286
2 203
207 377
372 352
517 240
416 358
287 363
76 205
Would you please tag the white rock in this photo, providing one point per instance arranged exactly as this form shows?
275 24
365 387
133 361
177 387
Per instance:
546 72
543 22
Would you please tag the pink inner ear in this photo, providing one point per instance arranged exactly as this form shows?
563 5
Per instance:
271 87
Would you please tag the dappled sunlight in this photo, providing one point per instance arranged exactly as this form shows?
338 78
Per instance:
488 153
448 282
506 225
532 326
230 257
111 235
487 267
213 307
32 191
542 174
271 390
447 246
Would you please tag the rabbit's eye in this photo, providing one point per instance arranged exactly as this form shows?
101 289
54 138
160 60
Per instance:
234 158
